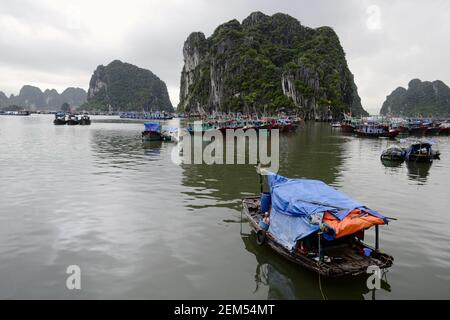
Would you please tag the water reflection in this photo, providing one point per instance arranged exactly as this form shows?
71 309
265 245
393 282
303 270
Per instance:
418 171
313 152
122 149
285 280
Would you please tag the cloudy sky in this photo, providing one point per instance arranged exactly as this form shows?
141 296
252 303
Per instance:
58 43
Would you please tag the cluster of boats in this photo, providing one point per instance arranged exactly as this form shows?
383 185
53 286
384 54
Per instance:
392 127
153 131
14 113
71 119
146 115
284 124
418 151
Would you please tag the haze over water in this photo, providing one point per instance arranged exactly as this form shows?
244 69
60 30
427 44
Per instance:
140 226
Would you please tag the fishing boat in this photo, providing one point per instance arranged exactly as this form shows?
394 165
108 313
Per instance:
315 226
60 119
72 120
152 132
376 130
416 127
85 120
349 124
420 151
393 153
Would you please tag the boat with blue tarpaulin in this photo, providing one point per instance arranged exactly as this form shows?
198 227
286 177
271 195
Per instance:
315 226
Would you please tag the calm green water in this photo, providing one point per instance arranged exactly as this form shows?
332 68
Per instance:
140 226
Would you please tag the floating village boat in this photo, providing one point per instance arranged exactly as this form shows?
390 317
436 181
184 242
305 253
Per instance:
416 127
349 124
394 153
418 151
376 130
60 119
85 120
72 120
153 132
316 226
421 151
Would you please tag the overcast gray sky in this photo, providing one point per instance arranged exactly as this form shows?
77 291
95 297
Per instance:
57 43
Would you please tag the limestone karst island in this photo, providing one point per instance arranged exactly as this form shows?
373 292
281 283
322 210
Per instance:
224 155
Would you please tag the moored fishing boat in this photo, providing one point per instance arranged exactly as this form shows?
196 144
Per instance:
85 120
72 120
152 132
432 129
420 151
416 128
316 227
60 119
393 153
375 130
349 124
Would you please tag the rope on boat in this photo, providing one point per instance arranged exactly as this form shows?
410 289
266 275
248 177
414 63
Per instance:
324 297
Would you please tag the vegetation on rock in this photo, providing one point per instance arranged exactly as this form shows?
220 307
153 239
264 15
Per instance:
422 98
125 87
267 63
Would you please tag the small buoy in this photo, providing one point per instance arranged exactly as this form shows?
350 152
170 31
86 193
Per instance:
260 237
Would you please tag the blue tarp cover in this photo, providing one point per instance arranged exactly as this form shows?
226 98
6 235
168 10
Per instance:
298 206
152 126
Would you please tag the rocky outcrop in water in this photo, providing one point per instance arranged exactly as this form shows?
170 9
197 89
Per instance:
422 98
267 63
125 87
33 98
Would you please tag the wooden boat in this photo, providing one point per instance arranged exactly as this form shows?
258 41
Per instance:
72 120
393 153
60 119
420 151
152 132
416 128
346 255
85 120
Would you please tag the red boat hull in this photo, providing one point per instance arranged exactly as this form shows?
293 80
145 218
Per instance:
347 128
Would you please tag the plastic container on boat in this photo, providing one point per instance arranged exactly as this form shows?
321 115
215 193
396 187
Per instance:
367 252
